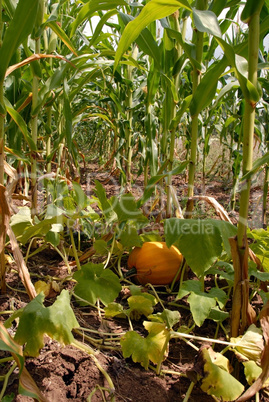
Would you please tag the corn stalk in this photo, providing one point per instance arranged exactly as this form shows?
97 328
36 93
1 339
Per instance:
242 314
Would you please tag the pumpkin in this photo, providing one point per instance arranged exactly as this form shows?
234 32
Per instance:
155 263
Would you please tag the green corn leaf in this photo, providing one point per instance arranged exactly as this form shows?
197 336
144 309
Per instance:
99 26
251 7
156 179
62 35
206 21
57 321
20 123
91 7
257 166
145 41
104 203
94 282
19 28
153 10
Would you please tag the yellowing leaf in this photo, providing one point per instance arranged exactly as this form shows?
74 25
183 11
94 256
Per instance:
143 350
41 286
219 382
250 345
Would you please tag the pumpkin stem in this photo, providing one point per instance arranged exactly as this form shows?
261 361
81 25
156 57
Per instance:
130 272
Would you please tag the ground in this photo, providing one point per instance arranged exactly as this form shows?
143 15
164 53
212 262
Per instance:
65 373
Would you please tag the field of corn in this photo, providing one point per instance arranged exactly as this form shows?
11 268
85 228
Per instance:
134 171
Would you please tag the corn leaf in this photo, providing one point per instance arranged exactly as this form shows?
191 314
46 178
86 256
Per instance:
19 28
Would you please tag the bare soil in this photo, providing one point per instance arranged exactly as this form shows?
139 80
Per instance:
64 373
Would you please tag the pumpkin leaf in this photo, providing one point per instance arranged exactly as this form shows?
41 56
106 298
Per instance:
202 304
27 386
127 210
139 305
200 241
217 381
130 238
94 282
114 310
36 320
168 317
143 350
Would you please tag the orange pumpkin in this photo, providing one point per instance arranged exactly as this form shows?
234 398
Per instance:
155 263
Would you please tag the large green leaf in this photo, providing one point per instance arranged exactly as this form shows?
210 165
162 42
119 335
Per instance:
95 282
36 320
91 7
153 10
200 241
19 28
206 21
145 41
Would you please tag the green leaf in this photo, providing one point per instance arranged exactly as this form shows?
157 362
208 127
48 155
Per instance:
145 41
91 7
156 179
130 238
21 221
258 164
200 306
105 205
114 310
252 371
27 386
20 123
137 291
100 246
219 382
200 241
139 305
251 7
57 321
168 317
18 30
143 350
127 210
218 315
62 35
206 21
53 238
80 197
153 10
94 282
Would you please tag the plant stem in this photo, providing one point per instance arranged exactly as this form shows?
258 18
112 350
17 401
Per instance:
188 394
90 351
200 5
10 371
242 313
